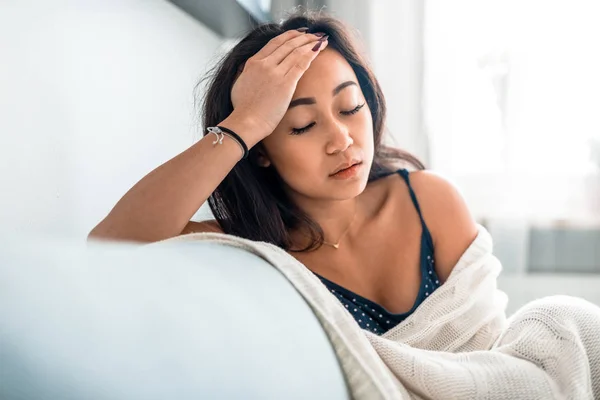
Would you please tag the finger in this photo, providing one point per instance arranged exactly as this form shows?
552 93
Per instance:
300 59
288 47
277 41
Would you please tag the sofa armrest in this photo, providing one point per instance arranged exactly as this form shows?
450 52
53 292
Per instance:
180 321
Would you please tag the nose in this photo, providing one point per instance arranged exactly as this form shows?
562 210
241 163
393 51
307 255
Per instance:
339 138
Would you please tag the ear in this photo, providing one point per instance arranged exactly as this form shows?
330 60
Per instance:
261 157
262 160
239 72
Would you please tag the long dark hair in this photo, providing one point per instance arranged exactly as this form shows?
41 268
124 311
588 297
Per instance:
250 202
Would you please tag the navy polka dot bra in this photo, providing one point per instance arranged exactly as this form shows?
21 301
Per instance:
370 315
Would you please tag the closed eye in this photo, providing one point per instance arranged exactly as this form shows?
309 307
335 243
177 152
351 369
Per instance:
299 131
354 110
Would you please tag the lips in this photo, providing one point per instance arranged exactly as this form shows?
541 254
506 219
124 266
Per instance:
344 166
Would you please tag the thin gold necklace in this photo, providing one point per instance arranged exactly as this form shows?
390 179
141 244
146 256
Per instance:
337 245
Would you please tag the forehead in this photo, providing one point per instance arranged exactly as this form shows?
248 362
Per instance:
326 71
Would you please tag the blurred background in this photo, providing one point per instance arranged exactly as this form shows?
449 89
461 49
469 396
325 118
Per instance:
501 97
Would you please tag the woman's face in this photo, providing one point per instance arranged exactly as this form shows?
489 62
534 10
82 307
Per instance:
328 126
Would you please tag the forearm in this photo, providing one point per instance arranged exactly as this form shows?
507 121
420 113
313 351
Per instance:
161 204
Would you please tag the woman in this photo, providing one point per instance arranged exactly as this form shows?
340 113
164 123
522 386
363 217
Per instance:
317 180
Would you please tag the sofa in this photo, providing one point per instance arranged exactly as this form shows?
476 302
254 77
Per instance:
165 321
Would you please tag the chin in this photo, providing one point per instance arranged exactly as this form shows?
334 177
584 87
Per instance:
349 186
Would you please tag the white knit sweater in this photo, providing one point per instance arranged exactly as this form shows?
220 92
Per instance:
458 344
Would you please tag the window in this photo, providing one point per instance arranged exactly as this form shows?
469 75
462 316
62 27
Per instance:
512 86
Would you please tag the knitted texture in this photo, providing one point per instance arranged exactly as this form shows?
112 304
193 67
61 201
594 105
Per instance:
458 344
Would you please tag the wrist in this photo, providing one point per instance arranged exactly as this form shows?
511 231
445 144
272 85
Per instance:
224 131
249 130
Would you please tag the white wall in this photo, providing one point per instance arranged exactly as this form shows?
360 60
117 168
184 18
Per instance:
397 53
94 94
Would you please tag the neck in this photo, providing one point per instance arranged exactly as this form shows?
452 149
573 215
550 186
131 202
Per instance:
334 217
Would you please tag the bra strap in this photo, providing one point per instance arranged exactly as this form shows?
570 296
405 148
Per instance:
404 173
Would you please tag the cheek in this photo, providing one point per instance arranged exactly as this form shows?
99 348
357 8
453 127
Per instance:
364 139
363 132
297 162
368 119
296 159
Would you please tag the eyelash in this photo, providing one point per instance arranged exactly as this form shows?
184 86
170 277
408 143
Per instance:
307 127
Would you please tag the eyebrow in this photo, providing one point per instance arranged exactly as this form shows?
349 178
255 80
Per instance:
311 100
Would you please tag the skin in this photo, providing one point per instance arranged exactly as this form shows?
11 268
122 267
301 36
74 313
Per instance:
379 253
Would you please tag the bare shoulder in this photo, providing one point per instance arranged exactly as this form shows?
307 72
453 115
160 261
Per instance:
441 197
203 226
447 216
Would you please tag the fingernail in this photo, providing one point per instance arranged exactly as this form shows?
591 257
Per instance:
319 34
324 38
302 29
317 46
